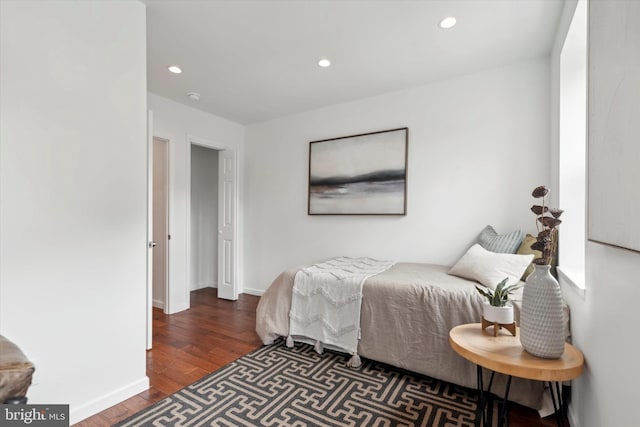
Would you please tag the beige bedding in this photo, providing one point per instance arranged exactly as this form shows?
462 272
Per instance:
407 312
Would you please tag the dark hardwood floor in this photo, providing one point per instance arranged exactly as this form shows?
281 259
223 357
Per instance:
214 332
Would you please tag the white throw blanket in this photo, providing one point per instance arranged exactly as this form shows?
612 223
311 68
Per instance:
326 302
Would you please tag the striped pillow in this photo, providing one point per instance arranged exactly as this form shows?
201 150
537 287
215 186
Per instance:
500 243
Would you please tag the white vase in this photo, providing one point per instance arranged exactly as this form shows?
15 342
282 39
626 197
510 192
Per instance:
541 317
502 315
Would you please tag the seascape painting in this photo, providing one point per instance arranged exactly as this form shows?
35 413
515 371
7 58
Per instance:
359 175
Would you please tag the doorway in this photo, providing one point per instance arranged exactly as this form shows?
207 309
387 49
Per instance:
160 222
203 218
224 229
177 269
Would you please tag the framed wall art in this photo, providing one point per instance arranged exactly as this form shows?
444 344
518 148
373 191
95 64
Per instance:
363 174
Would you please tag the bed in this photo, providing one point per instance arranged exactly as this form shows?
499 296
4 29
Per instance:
406 314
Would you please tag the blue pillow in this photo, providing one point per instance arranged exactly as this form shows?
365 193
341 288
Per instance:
500 243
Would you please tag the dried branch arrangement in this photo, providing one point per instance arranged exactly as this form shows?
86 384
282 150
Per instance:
546 223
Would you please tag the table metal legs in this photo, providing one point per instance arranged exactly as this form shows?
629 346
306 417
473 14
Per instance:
484 413
504 414
558 405
483 399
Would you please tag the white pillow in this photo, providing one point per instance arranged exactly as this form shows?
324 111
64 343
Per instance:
490 268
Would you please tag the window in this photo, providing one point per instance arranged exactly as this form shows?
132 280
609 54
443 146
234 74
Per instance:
572 150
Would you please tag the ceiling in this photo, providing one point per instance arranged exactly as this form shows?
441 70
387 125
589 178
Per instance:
252 61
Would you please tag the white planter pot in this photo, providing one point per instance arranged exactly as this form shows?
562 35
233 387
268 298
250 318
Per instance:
502 315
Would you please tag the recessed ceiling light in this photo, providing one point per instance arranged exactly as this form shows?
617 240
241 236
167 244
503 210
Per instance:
324 63
175 69
447 22
194 96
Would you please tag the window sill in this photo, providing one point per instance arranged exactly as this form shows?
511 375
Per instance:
574 278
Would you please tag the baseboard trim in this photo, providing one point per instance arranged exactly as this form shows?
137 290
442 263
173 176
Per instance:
79 413
203 286
158 304
177 309
256 292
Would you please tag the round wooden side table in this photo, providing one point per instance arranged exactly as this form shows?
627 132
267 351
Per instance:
504 354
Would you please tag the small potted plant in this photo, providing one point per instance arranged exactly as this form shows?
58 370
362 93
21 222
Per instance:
497 308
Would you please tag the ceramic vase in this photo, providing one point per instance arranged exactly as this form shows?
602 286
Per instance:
542 317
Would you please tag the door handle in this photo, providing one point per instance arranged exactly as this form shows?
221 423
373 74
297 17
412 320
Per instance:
152 244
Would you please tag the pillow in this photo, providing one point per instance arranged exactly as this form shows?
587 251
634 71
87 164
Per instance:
501 243
525 249
490 268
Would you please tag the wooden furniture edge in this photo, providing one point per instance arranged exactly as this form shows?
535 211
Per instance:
568 367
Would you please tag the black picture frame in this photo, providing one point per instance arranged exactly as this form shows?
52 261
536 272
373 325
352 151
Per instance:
363 174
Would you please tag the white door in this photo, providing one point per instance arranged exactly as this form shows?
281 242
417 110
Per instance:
149 229
227 224
160 221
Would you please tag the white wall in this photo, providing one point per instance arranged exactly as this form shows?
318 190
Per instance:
179 123
477 147
204 217
73 197
602 317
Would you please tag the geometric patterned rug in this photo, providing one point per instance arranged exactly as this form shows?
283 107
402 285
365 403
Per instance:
278 386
